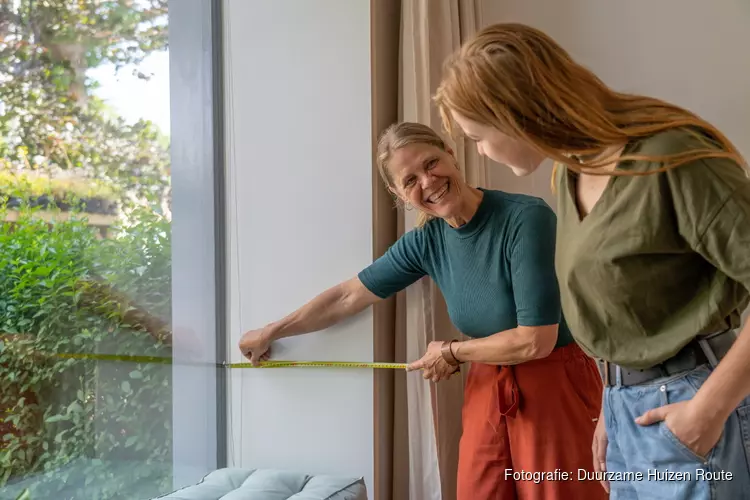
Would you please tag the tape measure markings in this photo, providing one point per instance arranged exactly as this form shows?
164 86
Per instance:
263 364
322 364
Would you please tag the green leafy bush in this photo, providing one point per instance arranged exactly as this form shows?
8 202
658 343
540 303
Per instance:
63 290
42 185
72 428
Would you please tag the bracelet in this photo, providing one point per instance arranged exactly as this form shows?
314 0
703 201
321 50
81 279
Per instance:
450 346
447 352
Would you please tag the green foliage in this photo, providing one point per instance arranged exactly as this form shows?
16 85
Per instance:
49 121
55 411
64 290
26 186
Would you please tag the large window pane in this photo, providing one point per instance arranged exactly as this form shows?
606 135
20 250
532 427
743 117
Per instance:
90 314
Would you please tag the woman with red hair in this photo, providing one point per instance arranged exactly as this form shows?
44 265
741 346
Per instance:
653 255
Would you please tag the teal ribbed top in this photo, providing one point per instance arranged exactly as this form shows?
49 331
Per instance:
496 272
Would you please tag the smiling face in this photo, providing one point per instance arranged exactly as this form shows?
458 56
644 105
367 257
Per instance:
521 158
427 177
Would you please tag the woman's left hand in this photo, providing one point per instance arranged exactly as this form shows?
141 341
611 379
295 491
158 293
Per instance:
432 364
692 428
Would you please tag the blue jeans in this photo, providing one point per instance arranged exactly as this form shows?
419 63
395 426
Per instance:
649 462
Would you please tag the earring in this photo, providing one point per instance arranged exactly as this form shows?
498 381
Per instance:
408 206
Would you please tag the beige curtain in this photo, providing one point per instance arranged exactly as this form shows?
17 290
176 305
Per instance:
430 31
417 424
391 438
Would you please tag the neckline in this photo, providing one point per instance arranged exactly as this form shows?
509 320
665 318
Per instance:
477 221
571 182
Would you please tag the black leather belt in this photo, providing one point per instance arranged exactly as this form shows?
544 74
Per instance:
701 350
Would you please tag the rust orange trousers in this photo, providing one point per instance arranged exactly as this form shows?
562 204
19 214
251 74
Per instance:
526 425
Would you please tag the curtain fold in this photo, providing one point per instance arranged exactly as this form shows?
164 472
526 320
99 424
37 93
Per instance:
391 438
417 424
431 30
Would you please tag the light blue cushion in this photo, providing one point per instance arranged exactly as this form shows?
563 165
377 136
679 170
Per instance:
268 484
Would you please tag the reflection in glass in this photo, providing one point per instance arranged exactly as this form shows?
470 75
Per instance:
85 256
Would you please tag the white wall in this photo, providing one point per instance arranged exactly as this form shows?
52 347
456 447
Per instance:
300 159
691 52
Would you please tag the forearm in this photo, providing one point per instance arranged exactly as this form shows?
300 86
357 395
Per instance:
325 310
509 347
729 383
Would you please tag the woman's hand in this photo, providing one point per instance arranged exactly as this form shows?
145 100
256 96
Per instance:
256 346
432 364
599 449
691 427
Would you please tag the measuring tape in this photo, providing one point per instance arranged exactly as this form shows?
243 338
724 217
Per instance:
323 364
263 364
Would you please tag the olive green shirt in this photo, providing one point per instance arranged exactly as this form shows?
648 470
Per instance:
659 259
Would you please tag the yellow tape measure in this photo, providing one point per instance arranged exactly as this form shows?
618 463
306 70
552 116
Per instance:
322 364
263 364
117 357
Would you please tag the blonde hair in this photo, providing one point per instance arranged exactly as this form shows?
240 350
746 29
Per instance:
400 135
519 81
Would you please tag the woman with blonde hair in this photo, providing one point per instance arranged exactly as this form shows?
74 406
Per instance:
653 255
532 396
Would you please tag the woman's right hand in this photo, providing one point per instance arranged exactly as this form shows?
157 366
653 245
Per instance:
599 449
256 345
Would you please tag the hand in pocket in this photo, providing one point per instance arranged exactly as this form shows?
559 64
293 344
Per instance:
694 430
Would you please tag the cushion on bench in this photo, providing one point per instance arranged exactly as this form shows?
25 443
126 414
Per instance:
268 484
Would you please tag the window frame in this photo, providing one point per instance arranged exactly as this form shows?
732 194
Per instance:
199 301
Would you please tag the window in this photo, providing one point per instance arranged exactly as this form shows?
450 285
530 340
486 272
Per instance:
110 279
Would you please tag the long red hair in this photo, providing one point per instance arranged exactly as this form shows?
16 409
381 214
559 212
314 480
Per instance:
518 80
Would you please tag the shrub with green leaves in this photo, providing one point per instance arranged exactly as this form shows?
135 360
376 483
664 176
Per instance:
108 423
